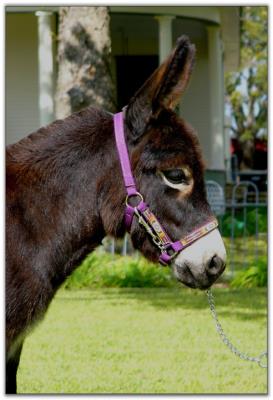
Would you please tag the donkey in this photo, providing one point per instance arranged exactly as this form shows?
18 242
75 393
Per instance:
65 192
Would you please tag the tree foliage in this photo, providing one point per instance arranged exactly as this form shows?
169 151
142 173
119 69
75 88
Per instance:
246 89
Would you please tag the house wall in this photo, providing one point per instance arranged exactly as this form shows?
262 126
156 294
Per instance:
22 113
132 34
194 106
138 35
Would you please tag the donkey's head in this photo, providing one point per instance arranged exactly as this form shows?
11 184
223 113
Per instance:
168 169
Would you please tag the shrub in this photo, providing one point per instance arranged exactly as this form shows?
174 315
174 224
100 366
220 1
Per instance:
254 276
238 222
238 226
108 270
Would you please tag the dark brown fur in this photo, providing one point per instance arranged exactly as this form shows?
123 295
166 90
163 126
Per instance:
65 192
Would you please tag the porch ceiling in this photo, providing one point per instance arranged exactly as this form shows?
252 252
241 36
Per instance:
226 16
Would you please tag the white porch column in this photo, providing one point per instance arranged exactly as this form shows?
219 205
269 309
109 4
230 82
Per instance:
165 36
216 99
45 56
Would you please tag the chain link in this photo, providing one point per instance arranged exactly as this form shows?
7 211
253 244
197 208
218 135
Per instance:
149 230
261 360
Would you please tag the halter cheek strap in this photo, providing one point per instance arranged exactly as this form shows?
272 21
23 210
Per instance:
145 216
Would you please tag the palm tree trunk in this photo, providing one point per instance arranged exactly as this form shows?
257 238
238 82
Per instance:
84 55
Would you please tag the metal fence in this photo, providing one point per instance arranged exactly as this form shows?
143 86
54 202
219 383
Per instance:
244 196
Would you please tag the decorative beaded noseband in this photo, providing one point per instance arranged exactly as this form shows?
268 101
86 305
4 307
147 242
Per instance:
146 218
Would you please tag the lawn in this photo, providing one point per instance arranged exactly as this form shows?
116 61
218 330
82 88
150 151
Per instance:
160 340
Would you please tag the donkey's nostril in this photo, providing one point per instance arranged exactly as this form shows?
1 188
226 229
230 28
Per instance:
215 266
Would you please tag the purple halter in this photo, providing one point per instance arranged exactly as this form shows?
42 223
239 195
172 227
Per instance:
146 218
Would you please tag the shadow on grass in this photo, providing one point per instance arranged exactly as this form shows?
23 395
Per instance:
239 303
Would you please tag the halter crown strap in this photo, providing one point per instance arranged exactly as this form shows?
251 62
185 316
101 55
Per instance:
123 155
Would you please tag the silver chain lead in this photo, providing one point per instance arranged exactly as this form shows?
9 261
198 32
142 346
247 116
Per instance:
261 360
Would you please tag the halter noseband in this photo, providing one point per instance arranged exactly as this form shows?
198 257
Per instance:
146 218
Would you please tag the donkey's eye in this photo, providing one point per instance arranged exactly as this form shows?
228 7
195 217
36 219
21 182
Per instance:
175 176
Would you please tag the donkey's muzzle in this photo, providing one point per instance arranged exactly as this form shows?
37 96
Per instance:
187 275
199 265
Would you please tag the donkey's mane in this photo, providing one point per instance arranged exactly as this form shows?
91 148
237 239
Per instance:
79 128
61 143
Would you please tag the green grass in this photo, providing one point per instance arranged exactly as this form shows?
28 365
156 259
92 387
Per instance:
160 340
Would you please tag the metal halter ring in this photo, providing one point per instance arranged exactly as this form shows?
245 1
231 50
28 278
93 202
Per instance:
136 194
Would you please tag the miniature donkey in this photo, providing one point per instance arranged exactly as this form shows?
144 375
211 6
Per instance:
65 193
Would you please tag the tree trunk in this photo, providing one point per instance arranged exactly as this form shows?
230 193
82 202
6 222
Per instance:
84 76
248 148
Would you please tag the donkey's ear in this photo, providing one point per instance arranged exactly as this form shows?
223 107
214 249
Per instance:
163 89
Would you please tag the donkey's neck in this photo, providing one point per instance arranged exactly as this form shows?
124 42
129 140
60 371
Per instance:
61 173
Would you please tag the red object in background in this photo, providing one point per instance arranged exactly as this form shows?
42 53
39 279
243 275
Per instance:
235 146
261 145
